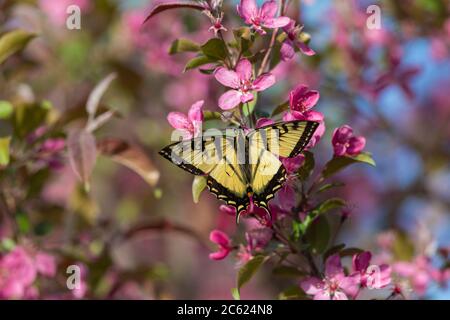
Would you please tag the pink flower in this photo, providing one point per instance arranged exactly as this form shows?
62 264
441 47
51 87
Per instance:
242 83
261 122
17 273
261 17
371 276
301 100
292 41
344 142
224 243
189 125
420 273
45 264
334 286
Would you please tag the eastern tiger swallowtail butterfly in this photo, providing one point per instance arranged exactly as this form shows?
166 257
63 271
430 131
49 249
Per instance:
242 168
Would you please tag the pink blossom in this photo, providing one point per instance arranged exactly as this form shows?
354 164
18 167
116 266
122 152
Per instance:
372 276
242 82
261 17
334 286
45 264
224 243
257 239
262 122
344 142
288 46
301 100
17 273
190 124
420 273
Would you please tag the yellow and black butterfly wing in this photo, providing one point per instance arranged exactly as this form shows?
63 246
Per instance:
215 157
267 174
189 155
227 181
285 139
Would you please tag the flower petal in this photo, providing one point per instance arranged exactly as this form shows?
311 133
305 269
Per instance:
230 210
246 97
342 134
268 10
195 112
333 267
305 49
264 81
356 145
247 9
219 237
312 285
229 99
219 255
263 122
244 70
322 295
361 261
338 295
287 50
350 285
276 22
228 78
179 120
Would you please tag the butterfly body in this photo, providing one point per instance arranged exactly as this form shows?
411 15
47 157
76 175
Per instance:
242 168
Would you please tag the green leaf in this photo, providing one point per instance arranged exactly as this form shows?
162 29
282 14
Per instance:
4 150
174 4
183 45
243 38
198 185
211 115
329 186
197 62
235 294
402 248
308 166
249 270
318 234
280 108
287 271
249 107
6 109
28 117
338 163
292 293
329 204
23 222
7 244
215 49
13 42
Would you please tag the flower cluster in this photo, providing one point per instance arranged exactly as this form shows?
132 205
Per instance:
19 270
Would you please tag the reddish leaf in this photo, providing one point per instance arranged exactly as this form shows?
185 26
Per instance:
160 7
82 154
130 156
